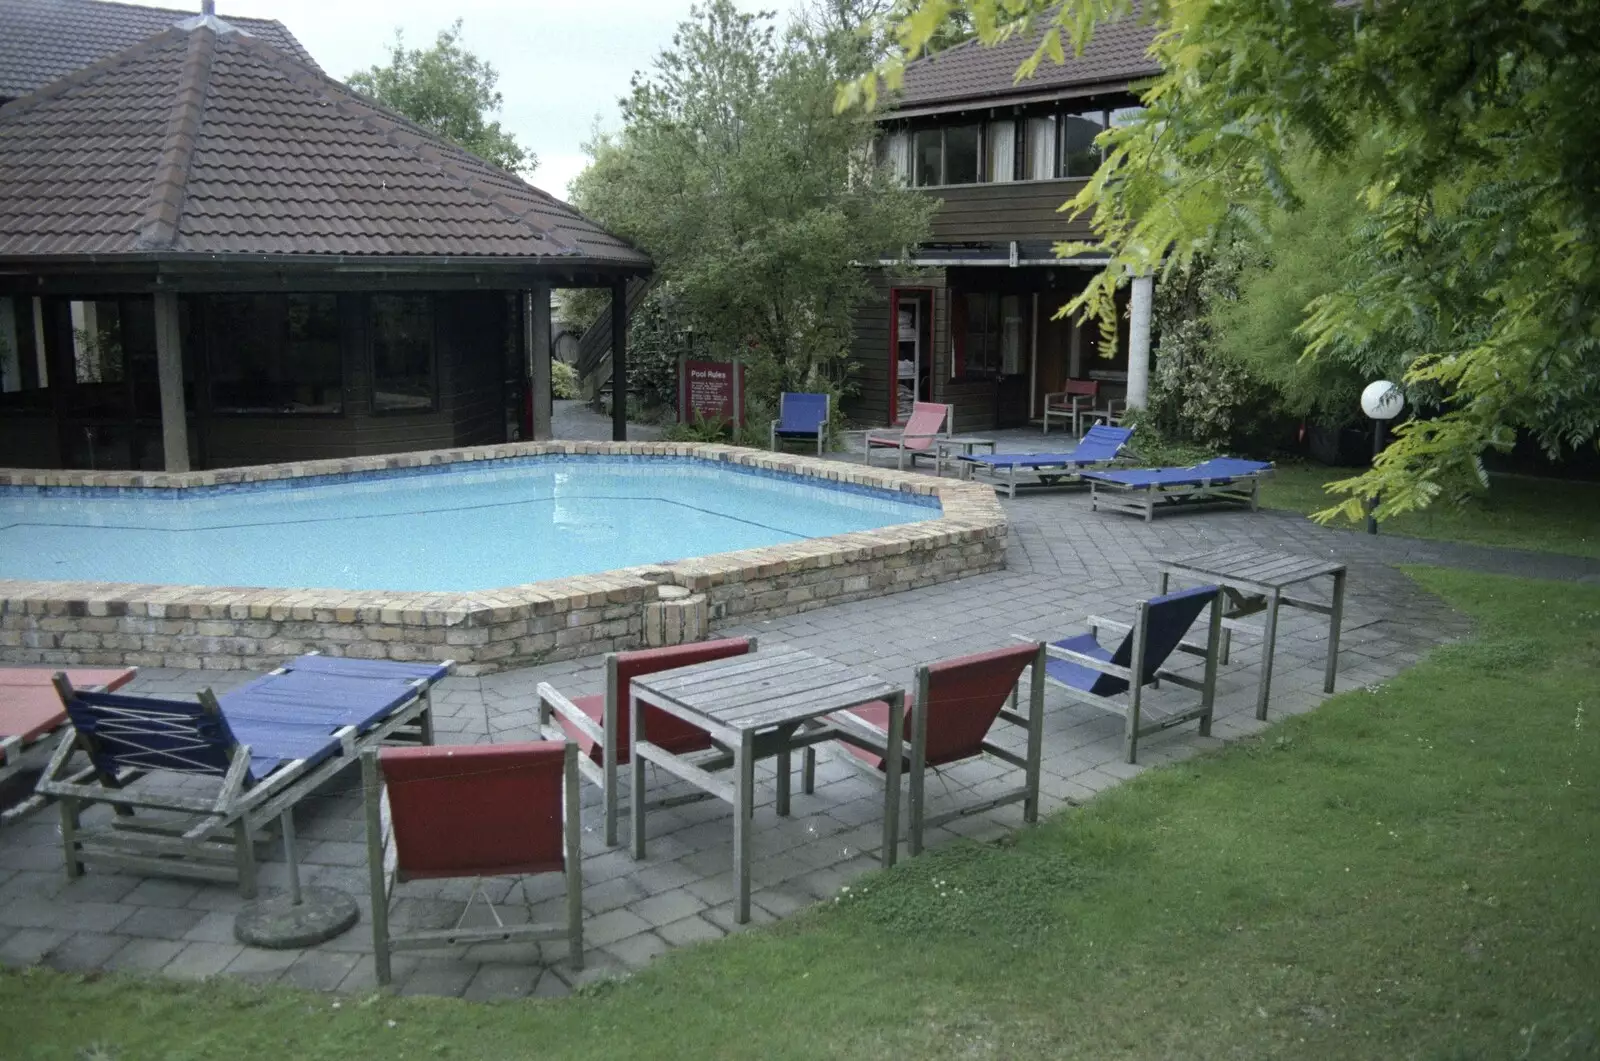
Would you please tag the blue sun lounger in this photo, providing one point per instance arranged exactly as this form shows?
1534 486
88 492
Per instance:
1094 675
1221 480
269 743
1101 446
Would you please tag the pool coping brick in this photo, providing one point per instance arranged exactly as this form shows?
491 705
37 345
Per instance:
233 628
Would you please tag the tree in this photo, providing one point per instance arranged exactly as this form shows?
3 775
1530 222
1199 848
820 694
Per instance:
1483 206
757 202
449 90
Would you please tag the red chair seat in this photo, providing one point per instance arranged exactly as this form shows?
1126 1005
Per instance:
29 705
673 734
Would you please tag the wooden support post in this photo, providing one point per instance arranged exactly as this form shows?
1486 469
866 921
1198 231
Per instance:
169 371
537 320
619 361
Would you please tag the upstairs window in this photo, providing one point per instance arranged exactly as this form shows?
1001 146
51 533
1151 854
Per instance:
1079 155
404 368
894 152
1002 145
962 157
927 157
1039 149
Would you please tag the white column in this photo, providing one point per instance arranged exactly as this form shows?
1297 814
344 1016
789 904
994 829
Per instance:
1139 341
538 345
169 371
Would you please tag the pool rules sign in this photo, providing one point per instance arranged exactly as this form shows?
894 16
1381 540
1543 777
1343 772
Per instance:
712 391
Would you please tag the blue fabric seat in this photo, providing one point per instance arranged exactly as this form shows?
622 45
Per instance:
802 417
296 723
1139 490
1095 674
1100 446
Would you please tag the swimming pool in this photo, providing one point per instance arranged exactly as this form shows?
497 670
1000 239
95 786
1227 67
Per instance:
457 527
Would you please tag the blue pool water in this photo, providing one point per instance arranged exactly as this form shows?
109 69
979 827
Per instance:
462 527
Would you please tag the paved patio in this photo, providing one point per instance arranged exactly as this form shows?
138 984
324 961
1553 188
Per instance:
1064 563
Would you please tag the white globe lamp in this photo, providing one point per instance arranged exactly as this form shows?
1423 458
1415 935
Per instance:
1383 400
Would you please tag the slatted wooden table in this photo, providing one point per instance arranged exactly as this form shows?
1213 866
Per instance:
761 705
1255 581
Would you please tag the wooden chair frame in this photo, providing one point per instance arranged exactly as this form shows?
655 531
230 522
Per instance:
382 864
1133 711
914 748
191 836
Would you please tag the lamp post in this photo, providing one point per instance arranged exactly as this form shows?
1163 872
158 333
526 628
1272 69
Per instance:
1382 401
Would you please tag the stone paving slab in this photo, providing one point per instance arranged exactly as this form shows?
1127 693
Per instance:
1065 563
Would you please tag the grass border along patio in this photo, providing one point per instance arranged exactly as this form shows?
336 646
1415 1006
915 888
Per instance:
1410 871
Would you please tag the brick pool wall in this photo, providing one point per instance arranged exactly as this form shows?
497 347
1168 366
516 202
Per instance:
226 628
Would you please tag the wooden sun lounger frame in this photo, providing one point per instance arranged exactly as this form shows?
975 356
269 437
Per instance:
1130 705
382 862
194 837
1047 477
1143 500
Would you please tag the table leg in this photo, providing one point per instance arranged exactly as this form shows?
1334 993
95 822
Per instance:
891 780
636 771
1269 641
1335 620
744 787
783 783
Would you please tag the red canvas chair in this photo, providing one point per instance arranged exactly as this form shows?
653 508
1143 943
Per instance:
1075 398
957 702
929 420
484 810
599 723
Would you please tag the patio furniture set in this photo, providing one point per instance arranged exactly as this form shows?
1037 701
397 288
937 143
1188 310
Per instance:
694 711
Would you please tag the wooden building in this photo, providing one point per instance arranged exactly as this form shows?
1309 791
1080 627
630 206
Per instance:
213 254
974 324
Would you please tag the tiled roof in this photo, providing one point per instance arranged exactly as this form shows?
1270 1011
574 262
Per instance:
44 40
204 141
971 72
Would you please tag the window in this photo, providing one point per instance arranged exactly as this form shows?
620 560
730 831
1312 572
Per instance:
961 153
96 342
1125 116
22 363
1002 151
403 354
1039 155
275 354
894 151
927 157
1079 155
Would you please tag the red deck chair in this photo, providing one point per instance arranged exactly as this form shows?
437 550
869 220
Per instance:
957 702
484 810
929 420
599 723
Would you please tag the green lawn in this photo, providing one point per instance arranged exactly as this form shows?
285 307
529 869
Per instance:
1411 872
1551 515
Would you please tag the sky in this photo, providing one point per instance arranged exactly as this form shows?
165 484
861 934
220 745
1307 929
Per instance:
563 64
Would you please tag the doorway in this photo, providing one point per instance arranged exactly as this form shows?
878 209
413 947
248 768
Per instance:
910 350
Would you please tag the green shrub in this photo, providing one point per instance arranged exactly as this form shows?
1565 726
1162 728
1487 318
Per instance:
563 380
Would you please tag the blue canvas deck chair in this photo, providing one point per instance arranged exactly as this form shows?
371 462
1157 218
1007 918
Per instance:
1115 679
1100 447
266 745
801 417
1220 480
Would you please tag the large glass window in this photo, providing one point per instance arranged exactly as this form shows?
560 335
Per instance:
927 153
1039 151
962 159
1079 155
403 362
275 354
1002 145
1125 116
894 151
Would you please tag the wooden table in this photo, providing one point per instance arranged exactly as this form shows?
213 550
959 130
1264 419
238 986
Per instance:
1255 581
946 445
754 706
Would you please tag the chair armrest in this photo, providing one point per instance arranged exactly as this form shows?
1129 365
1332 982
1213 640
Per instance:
1099 665
549 697
1097 622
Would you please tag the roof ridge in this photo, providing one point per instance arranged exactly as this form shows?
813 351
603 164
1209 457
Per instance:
84 74
401 132
158 227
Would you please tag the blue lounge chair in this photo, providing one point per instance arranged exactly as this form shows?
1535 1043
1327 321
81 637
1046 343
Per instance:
802 417
1100 447
1220 480
1092 674
270 743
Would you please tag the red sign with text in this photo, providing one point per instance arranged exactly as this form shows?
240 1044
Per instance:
711 391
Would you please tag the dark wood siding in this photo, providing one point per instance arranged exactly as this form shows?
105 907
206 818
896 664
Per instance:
1018 210
869 406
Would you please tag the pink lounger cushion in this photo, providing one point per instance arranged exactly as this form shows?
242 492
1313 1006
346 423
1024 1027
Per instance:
29 706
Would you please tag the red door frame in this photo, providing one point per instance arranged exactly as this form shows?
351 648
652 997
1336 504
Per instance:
894 346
